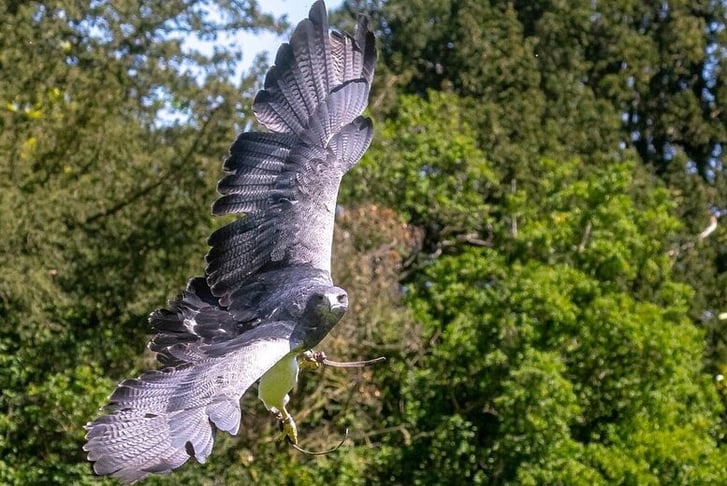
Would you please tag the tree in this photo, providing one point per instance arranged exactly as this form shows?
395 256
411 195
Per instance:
535 292
601 81
111 133
443 180
560 352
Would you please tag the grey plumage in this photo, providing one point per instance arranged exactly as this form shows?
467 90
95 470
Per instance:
267 293
287 181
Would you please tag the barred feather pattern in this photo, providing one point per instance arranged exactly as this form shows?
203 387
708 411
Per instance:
156 422
257 302
284 183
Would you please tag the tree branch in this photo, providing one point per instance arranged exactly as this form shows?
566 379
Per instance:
162 178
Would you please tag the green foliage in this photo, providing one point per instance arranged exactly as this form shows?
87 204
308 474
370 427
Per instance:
546 333
550 353
522 93
540 70
104 198
538 406
600 81
433 161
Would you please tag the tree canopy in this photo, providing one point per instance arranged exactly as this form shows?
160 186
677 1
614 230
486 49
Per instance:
526 240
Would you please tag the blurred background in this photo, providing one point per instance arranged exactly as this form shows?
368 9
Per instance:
533 240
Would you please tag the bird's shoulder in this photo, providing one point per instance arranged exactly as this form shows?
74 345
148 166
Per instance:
195 318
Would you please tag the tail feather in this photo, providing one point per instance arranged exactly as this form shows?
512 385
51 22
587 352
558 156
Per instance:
192 317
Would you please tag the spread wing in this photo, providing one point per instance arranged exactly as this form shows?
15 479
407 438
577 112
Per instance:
285 182
230 327
162 418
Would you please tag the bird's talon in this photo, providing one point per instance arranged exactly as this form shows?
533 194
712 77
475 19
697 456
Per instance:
312 360
290 430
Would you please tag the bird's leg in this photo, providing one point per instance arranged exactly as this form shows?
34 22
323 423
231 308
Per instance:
287 425
273 391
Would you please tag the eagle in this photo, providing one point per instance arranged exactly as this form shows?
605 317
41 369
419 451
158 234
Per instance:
266 298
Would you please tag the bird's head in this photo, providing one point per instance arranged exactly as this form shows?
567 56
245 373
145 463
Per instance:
323 309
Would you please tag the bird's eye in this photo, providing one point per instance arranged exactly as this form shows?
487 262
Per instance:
342 298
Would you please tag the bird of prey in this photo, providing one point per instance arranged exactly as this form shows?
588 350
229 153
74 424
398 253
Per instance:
266 296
